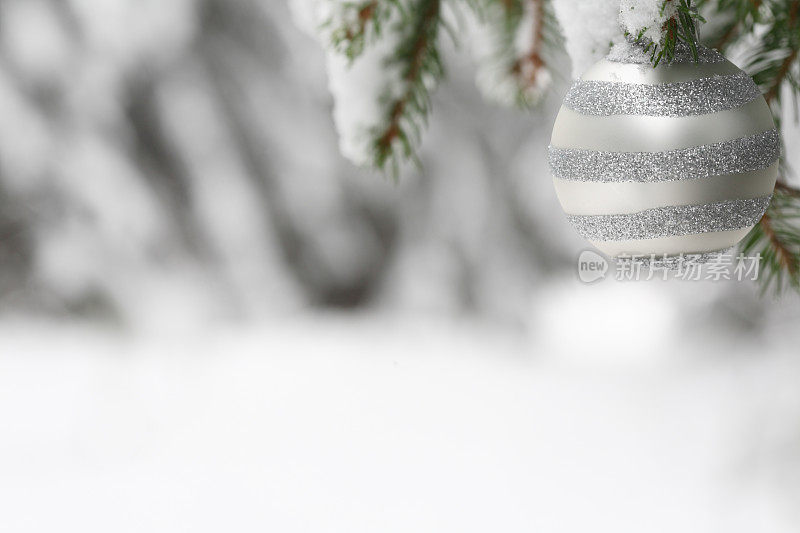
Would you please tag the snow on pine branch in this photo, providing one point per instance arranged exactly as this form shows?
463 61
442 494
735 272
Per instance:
350 26
508 41
646 18
590 29
662 26
382 62
356 83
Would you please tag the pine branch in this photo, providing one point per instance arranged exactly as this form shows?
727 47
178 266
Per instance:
787 189
527 68
776 238
771 61
726 37
514 70
774 56
784 255
421 66
773 25
680 28
511 69
740 17
357 24
787 62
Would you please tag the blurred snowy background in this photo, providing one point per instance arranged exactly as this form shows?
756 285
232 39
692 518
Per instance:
211 321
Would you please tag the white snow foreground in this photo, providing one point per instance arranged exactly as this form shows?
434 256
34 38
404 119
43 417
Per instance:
381 424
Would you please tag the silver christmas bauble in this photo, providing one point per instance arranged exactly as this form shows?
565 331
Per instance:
677 159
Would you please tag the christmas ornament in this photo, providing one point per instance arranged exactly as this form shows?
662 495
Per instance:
680 159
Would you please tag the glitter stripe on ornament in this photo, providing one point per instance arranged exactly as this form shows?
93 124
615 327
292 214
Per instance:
632 52
694 243
631 133
598 198
672 220
696 97
744 154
